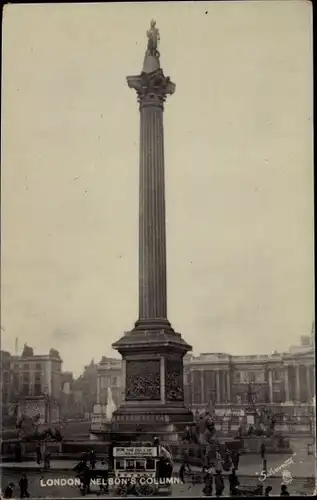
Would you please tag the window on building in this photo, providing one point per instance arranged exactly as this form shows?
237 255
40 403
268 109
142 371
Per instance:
26 366
38 366
114 381
37 389
16 380
26 376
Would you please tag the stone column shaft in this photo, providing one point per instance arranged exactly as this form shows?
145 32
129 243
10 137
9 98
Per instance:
152 88
218 385
308 385
192 387
152 232
297 386
228 387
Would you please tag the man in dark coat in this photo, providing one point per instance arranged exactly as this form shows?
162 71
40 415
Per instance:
235 455
24 485
233 483
208 480
47 460
187 437
92 459
219 483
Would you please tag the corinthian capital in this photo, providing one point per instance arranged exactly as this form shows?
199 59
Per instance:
151 88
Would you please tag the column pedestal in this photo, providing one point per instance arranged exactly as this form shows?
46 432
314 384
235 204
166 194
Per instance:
154 390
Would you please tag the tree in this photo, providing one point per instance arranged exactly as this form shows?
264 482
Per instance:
54 353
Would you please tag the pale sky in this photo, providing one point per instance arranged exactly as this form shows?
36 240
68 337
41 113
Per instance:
239 174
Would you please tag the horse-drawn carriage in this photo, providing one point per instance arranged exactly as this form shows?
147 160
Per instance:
141 470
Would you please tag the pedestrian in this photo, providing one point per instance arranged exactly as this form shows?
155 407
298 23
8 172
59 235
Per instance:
104 487
235 459
86 480
24 485
187 435
233 483
218 460
262 450
18 452
194 437
8 491
186 459
219 483
267 491
38 453
93 459
47 460
227 461
284 492
208 480
182 473
156 441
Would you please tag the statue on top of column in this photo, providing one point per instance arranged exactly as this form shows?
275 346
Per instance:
153 36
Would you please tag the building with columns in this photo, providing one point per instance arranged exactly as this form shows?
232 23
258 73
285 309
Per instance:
218 378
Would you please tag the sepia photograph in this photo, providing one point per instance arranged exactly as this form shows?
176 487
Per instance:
157 253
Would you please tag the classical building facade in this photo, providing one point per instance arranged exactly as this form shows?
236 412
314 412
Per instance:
216 379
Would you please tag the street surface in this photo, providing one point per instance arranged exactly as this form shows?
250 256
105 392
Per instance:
301 475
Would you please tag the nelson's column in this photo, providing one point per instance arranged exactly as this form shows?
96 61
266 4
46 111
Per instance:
152 353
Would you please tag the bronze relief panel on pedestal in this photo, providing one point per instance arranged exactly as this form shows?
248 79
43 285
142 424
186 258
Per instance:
174 383
143 380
